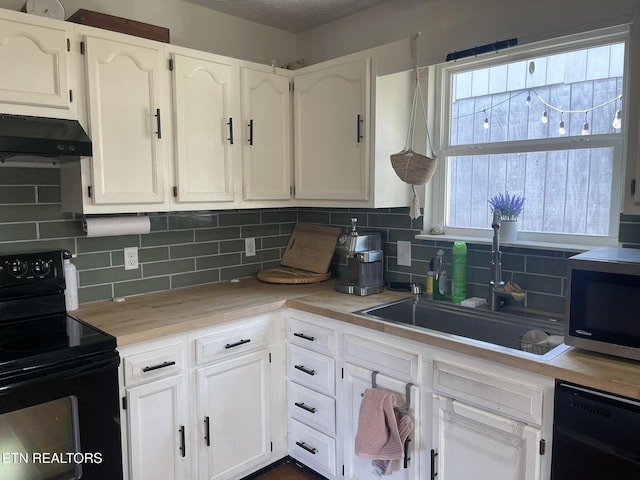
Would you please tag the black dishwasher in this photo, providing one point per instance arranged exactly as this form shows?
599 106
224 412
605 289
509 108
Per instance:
596 435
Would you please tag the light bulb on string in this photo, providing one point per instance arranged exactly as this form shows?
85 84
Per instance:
617 119
585 125
561 129
485 124
545 117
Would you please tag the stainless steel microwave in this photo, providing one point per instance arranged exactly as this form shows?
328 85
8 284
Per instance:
603 302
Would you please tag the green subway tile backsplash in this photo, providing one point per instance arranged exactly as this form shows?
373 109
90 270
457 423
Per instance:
192 248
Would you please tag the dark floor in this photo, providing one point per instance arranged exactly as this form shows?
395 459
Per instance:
287 470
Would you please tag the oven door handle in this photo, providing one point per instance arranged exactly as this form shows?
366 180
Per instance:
60 371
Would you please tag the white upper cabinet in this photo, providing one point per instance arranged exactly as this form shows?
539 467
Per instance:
126 106
266 147
332 132
42 46
205 99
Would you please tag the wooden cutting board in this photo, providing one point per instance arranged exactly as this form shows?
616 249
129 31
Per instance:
311 247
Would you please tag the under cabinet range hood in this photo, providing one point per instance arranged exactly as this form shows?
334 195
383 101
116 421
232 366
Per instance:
22 135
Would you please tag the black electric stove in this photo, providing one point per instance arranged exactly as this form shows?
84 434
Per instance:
36 333
58 379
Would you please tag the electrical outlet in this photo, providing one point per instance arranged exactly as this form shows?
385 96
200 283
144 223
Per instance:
250 247
131 258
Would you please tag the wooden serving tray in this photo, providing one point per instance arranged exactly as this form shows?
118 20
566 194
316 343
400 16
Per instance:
291 276
118 24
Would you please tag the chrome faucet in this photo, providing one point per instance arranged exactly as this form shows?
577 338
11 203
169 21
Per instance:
496 285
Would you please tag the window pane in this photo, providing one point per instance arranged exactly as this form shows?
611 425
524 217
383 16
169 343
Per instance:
507 102
566 191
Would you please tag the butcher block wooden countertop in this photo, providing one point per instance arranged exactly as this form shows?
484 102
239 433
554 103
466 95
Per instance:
155 315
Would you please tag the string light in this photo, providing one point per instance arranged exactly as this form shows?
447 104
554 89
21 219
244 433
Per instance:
617 119
544 118
561 129
585 125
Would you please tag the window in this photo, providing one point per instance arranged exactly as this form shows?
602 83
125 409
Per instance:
545 123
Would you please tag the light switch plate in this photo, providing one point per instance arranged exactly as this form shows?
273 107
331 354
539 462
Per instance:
404 253
250 247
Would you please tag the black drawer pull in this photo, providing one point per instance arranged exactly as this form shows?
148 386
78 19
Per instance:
158 124
305 370
183 445
207 438
303 406
251 132
309 449
406 453
230 124
237 344
434 455
305 337
159 366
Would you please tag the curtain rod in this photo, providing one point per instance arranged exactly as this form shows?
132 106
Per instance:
489 47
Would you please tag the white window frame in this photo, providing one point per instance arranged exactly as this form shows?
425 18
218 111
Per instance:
437 189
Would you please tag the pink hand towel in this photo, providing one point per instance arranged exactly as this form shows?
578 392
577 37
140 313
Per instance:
381 429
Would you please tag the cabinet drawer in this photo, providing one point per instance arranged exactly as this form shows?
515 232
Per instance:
509 398
311 369
308 335
157 363
314 449
311 408
240 339
376 356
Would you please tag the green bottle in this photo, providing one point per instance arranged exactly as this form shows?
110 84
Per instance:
459 272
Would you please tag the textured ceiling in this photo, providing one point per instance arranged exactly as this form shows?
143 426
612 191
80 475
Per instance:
293 16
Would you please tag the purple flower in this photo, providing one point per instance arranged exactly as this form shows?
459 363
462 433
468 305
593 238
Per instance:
509 206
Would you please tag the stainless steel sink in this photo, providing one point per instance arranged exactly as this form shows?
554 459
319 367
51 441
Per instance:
494 330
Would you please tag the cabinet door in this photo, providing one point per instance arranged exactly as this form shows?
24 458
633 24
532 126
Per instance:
332 132
233 415
266 149
157 416
126 106
356 381
34 65
473 443
203 94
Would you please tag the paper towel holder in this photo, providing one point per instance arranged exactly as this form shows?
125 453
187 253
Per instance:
116 225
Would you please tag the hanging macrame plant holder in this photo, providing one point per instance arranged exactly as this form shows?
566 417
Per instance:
413 167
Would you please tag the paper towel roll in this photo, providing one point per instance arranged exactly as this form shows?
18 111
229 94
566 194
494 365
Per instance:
112 226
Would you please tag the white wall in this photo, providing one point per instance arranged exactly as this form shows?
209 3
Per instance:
454 25
194 26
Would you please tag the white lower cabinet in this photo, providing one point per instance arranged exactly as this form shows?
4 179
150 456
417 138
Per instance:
221 402
475 443
233 410
205 404
155 415
158 419
356 381
311 390
489 427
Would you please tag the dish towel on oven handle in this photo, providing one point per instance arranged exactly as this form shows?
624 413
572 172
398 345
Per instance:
382 430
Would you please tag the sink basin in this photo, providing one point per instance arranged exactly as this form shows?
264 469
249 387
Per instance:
494 330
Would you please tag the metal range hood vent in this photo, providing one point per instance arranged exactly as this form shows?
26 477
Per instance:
22 135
